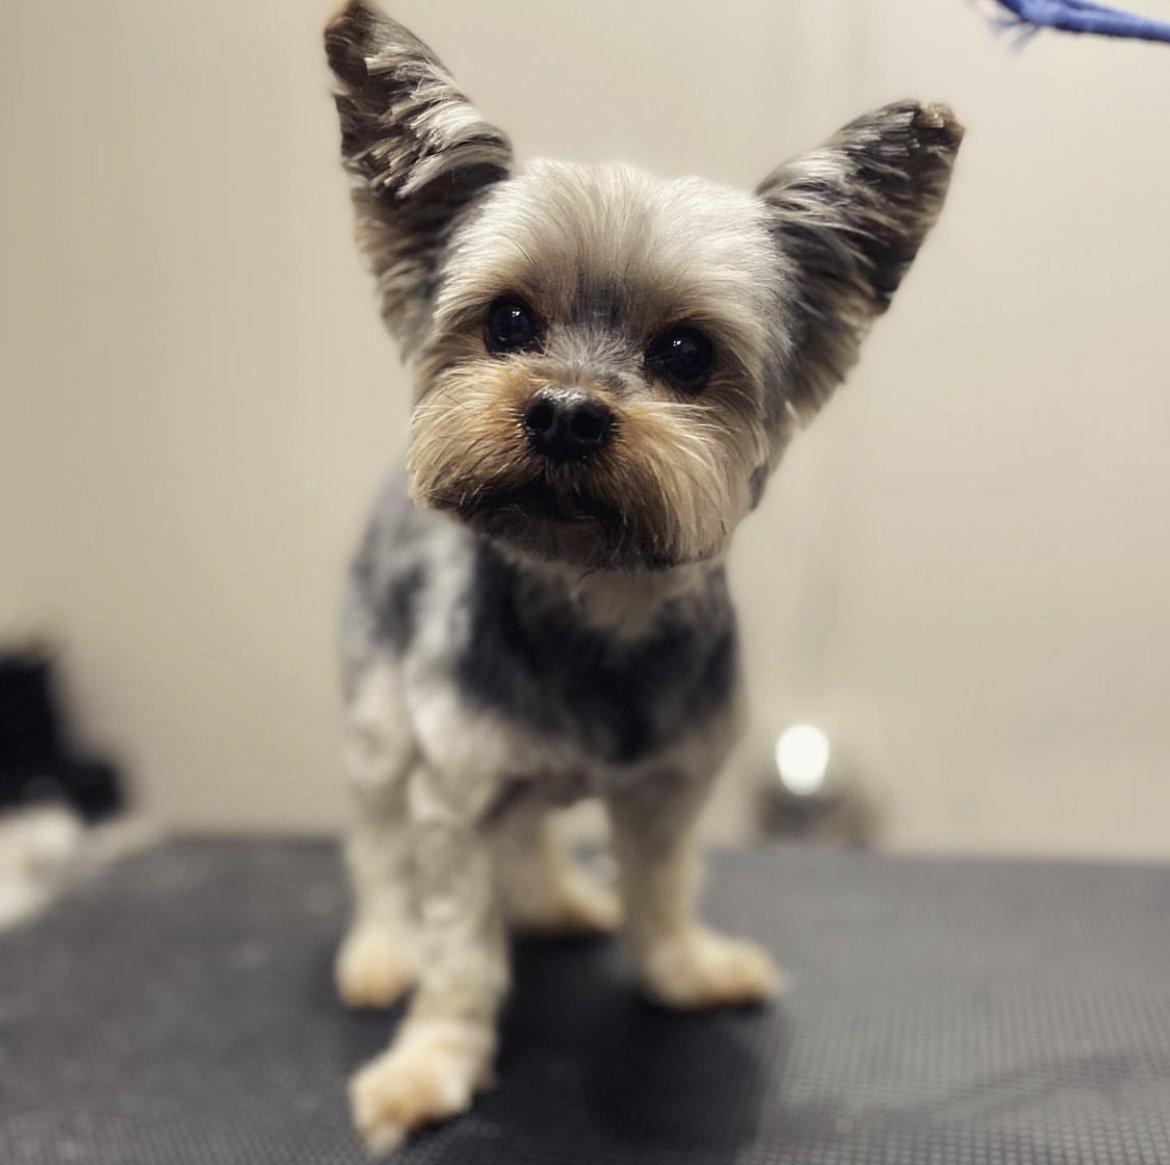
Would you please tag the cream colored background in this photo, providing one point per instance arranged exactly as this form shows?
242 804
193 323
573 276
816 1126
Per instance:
964 570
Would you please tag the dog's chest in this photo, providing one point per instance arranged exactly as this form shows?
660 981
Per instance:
533 658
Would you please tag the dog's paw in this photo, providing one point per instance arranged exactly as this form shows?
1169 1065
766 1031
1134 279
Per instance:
431 1073
578 907
373 969
702 969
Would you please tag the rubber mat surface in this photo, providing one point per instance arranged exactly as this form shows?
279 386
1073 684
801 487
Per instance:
180 1012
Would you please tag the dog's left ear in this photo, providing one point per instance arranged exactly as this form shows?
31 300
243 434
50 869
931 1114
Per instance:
848 219
418 152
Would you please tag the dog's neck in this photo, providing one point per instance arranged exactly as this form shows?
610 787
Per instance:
623 604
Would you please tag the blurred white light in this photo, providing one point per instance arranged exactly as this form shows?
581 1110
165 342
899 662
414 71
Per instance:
802 758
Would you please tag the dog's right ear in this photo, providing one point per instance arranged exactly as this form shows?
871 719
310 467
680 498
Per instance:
417 151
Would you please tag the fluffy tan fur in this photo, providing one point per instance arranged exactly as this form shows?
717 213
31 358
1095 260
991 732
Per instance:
673 480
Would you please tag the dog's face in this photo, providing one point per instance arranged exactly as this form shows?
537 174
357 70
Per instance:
592 385
607 365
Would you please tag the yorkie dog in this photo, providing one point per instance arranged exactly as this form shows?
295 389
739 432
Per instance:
606 369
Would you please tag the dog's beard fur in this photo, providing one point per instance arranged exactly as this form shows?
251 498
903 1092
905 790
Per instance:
664 491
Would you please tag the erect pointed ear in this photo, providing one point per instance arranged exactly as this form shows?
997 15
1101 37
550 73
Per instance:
418 153
848 219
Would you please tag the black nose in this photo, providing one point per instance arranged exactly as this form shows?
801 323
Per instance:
566 424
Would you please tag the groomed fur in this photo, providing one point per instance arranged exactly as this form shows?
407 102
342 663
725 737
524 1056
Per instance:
535 628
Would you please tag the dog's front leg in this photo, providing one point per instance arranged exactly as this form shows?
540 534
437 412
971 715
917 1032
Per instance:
681 962
444 1049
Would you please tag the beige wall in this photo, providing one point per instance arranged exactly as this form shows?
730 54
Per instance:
963 570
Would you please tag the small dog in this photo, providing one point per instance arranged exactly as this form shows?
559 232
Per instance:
606 368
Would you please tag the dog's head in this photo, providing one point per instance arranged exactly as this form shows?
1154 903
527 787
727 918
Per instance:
608 365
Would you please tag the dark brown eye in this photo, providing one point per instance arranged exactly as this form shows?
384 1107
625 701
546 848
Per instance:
683 357
511 326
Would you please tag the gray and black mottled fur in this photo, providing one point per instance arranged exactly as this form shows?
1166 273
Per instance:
528 621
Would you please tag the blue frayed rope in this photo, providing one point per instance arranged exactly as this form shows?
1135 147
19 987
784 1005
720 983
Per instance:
1083 16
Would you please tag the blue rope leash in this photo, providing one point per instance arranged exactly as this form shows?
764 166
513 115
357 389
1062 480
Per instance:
1083 16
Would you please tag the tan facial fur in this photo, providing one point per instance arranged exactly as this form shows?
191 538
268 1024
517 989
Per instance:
657 495
608 259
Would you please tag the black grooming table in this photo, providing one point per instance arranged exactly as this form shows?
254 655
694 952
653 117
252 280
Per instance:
180 1012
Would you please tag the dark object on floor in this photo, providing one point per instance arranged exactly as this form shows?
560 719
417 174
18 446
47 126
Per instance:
37 762
181 1013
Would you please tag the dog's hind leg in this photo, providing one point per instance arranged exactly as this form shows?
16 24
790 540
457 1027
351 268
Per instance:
546 892
376 962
